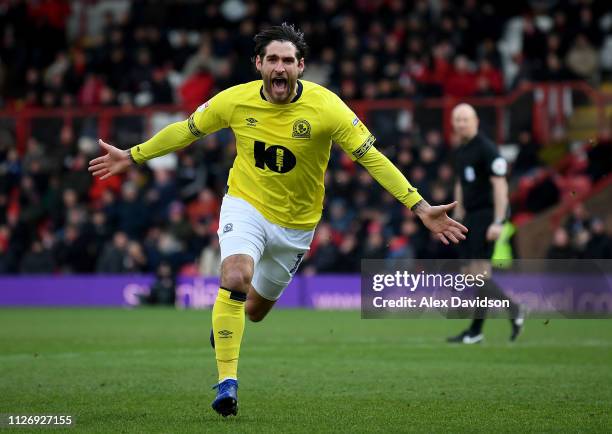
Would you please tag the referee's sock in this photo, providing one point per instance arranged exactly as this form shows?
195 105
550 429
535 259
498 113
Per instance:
228 327
492 290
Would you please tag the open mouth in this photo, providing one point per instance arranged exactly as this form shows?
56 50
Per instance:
279 84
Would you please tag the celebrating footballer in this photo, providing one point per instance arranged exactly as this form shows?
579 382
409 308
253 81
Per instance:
284 129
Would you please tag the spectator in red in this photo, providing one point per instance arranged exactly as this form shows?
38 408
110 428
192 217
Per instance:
440 67
461 82
489 80
196 89
91 91
205 207
98 187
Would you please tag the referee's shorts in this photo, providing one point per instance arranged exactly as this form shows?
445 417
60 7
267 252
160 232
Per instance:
476 245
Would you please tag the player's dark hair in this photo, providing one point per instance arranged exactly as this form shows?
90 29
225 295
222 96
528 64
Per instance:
285 33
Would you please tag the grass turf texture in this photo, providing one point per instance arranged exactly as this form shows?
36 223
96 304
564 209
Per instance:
151 370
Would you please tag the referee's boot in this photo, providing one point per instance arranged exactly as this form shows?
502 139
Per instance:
466 337
226 402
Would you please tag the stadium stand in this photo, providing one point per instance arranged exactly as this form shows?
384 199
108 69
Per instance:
120 70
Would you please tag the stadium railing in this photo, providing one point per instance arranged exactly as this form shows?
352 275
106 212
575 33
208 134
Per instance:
543 108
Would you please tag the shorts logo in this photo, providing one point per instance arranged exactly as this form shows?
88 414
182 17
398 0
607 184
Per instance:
225 334
298 261
365 147
228 228
355 121
301 129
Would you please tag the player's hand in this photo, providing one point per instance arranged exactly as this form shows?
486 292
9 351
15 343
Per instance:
458 213
114 162
436 219
494 231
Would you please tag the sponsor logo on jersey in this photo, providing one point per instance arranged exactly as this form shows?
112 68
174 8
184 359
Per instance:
228 228
365 147
251 122
276 157
301 129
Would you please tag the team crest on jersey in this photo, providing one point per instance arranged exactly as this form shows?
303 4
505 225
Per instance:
301 129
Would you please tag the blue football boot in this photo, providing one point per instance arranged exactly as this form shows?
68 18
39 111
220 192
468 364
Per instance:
226 402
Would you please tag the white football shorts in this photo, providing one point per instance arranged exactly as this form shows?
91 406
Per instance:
276 251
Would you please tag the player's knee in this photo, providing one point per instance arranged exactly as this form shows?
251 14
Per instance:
236 279
255 315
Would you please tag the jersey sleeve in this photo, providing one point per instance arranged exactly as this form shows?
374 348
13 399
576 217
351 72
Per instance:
495 164
390 177
347 130
212 116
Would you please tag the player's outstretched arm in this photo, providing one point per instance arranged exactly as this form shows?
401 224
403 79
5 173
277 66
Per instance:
435 218
171 138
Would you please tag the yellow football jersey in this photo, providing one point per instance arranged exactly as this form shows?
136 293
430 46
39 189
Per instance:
282 149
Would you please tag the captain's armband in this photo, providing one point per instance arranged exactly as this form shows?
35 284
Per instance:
365 147
193 128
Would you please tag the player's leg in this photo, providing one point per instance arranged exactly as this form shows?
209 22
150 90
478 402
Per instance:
474 251
277 266
492 290
242 239
257 307
478 251
483 267
228 328
228 312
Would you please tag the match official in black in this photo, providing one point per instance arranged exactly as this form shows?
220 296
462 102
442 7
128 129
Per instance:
481 189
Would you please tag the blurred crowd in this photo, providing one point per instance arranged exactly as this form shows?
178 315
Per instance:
54 217
583 236
149 52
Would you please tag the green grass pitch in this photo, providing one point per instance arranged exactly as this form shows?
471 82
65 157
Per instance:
151 370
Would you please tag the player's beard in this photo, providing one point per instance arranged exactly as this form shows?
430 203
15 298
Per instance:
280 90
